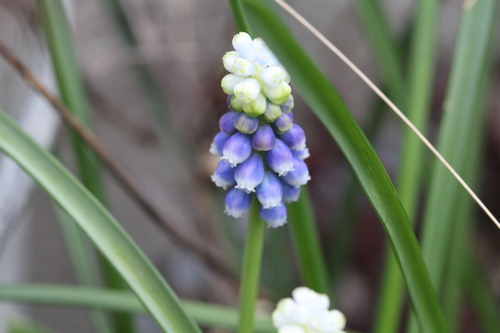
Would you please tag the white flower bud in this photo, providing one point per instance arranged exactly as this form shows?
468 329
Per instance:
278 94
272 76
311 299
243 44
307 312
272 113
256 107
247 90
228 60
229 82
333 321
243 67
263 55
287 75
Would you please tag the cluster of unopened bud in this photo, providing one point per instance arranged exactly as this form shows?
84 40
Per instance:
307 312
261 147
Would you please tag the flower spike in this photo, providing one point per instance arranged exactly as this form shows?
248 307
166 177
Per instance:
262 150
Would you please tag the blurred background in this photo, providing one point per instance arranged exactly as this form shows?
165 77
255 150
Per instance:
152 71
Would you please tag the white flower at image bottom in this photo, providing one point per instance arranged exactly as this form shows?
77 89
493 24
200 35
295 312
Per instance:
307 312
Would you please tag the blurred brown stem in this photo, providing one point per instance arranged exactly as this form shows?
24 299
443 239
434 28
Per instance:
123 177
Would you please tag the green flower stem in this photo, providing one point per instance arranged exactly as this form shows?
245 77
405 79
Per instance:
307 243
250 273
59 41
212 315
422 62
278 273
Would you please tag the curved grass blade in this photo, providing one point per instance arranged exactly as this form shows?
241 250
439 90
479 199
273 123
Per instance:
422 63
318 92
102 229
204 314
341 240
58 36
389 59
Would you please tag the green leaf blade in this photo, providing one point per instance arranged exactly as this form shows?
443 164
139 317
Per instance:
100 227
328 106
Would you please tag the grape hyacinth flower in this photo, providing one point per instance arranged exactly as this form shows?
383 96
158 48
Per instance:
261 148
307 312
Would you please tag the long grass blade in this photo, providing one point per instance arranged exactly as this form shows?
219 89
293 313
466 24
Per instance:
389 61
422 63
59 41
318 92
461 115
103 230
394 108
463 218
21 325
211 315
57 32
84 263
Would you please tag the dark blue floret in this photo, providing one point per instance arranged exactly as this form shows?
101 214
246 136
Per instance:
280 158
275 217
237 202
270 192
263 139
226 122
237 149
250 173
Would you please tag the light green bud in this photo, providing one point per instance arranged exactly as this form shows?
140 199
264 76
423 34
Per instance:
272 112
247 90
256 107
279 94
236 104
243 67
